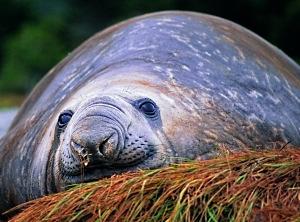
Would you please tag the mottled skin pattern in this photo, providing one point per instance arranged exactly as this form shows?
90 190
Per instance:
213 82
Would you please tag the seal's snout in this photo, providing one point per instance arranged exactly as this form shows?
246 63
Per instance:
95 149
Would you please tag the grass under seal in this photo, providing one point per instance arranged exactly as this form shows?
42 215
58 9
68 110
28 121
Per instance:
243 186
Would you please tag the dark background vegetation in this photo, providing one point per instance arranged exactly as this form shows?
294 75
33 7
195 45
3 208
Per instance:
36 34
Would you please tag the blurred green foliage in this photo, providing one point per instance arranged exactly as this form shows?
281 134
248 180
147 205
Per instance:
27 54
36 34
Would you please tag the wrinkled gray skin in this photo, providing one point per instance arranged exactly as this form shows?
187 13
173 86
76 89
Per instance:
208 82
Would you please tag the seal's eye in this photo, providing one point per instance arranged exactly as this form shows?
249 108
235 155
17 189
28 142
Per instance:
148 107
64 118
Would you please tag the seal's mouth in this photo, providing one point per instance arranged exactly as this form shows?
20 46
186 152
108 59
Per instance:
94 164
85 157
89 173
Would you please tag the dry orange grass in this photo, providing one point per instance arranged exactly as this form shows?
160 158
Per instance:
246 186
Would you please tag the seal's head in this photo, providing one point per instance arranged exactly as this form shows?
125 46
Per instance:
116 126
106 133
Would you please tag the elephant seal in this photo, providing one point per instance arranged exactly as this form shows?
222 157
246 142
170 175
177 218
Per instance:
147 92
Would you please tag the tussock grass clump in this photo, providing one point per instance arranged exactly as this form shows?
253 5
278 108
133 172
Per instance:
245 186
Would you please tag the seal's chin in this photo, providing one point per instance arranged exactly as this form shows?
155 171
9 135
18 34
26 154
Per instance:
96 172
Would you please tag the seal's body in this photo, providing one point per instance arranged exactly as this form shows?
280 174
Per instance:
144 93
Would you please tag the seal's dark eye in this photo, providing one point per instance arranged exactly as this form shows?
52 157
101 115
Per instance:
64 118
148 107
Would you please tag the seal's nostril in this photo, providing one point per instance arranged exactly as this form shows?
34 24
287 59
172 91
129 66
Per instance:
80 152
101 149
107 148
